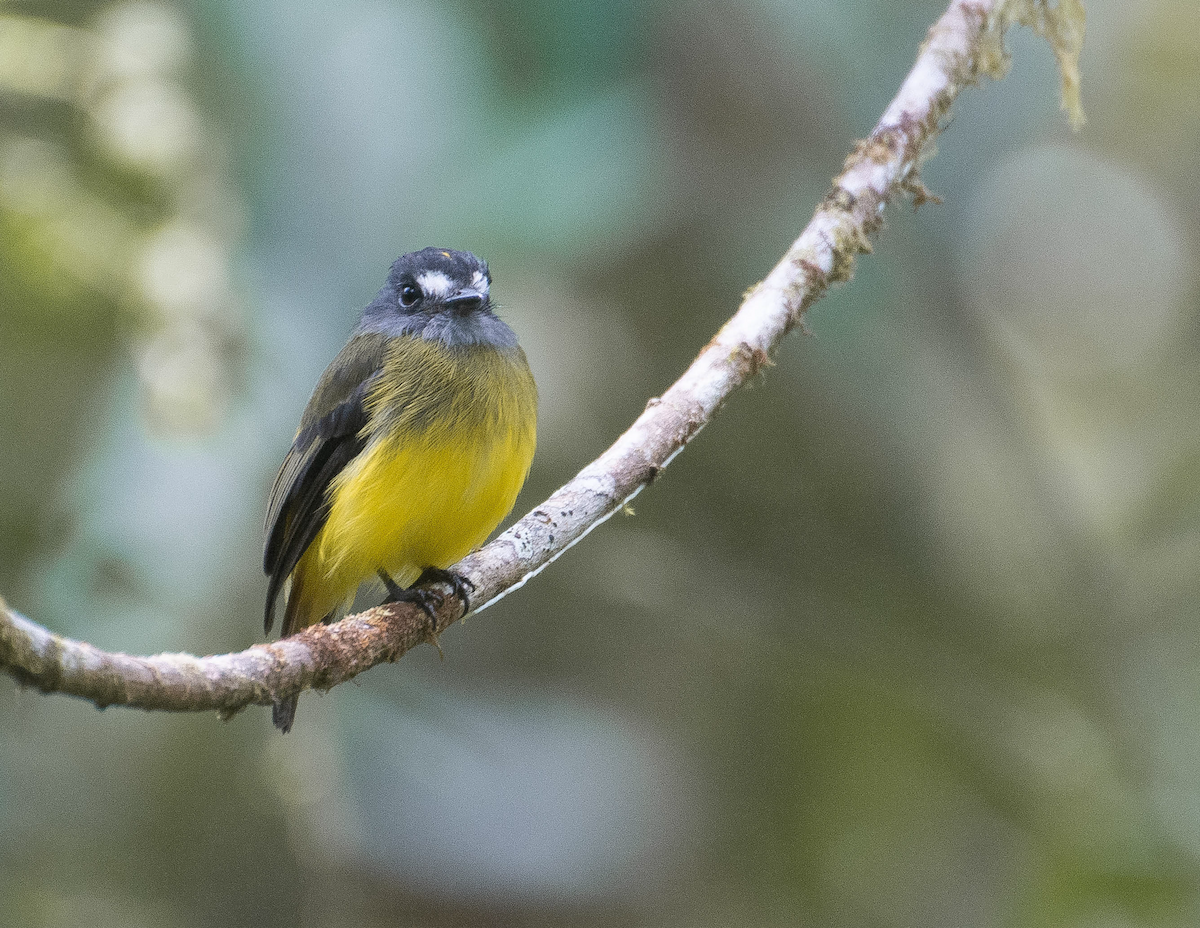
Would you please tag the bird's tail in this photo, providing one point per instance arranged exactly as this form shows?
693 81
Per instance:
295 617
283 713
299 612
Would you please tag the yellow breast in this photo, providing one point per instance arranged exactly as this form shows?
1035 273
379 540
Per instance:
451 434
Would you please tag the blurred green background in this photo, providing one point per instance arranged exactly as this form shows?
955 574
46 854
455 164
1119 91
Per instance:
906 638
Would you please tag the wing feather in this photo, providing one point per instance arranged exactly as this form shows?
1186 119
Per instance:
332 431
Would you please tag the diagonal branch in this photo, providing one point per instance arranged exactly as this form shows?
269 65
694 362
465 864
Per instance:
964 45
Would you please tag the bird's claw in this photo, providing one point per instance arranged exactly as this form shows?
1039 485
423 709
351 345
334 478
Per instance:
429 600
460 585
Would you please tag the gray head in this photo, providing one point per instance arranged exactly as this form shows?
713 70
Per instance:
439 294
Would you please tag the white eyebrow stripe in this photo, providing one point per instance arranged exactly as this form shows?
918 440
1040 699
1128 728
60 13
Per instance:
435 282
479 281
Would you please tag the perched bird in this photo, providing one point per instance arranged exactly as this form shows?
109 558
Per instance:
411 450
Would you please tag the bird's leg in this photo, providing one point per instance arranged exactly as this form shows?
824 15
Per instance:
427 600
461 586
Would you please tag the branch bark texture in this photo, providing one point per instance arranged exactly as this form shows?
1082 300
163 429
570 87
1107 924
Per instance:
964 45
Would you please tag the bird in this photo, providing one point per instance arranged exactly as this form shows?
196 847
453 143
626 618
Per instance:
412 449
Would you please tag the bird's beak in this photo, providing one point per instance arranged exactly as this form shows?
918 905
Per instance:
466 300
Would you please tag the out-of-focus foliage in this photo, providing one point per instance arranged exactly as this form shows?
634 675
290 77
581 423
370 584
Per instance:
907 637
116 219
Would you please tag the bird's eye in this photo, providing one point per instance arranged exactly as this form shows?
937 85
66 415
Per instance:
409 294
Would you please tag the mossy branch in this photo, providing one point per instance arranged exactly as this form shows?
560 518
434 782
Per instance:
964 45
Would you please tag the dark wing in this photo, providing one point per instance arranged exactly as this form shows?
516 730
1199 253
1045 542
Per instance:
331 434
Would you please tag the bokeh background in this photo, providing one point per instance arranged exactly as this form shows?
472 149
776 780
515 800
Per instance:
907 637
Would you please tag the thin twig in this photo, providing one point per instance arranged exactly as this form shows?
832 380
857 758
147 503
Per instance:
965 44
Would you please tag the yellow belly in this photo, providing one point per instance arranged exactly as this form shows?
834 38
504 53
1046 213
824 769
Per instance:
422 493
408 508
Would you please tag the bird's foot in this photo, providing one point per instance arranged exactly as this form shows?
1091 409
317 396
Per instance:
460 585
428 600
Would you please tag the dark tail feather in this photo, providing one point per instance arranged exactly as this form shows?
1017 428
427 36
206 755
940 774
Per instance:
274 585
283 713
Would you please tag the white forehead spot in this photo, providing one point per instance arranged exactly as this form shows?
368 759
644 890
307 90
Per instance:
479 281
435 283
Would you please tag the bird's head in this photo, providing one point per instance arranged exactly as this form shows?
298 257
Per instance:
438 294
